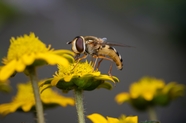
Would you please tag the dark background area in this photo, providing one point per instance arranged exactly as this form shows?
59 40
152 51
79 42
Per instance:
155 28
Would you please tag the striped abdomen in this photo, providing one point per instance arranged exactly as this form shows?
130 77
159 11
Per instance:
111 52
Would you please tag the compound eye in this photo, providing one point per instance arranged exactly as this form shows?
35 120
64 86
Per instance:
80 44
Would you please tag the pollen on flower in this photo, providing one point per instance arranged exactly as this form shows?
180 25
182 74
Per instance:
75 69
26 44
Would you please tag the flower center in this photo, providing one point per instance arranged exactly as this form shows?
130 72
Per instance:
79 69
26 44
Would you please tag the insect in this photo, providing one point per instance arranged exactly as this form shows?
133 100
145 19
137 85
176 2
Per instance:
97 48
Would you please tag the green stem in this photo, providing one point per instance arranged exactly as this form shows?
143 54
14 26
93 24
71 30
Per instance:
79 105
152 113
39 106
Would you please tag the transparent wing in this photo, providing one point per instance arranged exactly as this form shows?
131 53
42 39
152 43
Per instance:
117 44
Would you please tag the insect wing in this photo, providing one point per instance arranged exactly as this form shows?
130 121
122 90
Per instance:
103 43
104 39
115 44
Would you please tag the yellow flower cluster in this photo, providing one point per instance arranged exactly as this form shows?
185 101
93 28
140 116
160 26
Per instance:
146 87
97 118
24 100
80 76
27 51
150 91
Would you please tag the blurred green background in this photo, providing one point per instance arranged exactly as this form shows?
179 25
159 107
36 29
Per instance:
155 28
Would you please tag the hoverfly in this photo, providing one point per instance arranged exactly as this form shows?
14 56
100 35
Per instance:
97 48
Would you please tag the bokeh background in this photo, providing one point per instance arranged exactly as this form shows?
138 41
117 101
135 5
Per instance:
155 28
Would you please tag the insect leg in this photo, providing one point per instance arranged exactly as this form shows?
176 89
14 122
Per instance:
79 59
110 69
103 57
94 63
99 63
109 72
77 56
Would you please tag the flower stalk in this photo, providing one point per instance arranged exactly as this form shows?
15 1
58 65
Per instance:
152 113
39 106
79 105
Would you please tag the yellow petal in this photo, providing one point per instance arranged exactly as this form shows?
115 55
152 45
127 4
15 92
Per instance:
68 78
65 102
20 66
4 109
55 81
52 59
49 96
7 70
148 95
105 77
97 118
28 59
112 120
61 101
179 89
27 106
135 90
61 52
174 90
115 79
9 107
96 73
131 119
122 97
168 87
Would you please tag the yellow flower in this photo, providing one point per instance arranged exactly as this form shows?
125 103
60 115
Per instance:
80 76
122 97
24 100
149 91
97 118
146 87
28 50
